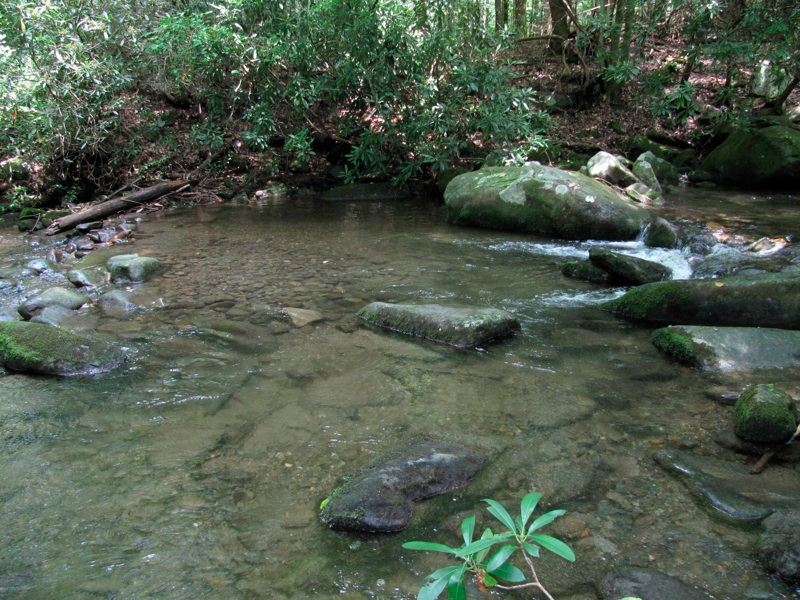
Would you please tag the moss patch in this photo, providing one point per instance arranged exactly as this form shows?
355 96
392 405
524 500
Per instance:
678 345
647 300
12 348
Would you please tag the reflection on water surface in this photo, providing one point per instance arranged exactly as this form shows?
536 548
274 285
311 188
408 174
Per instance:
197 470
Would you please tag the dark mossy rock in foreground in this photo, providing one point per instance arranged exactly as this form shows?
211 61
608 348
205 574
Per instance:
728 492
647 583
767 300
730 348
380 497
628 269
463 327
48 350
764 413
543 200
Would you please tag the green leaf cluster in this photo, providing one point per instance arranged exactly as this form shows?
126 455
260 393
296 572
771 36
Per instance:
481 559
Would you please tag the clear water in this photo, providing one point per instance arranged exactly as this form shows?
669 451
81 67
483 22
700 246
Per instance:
197 469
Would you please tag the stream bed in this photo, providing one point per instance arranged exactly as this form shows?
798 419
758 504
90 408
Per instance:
197 469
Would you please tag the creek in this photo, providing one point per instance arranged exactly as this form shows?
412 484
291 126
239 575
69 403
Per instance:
197 469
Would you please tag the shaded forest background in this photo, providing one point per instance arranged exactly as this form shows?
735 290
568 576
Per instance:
100 93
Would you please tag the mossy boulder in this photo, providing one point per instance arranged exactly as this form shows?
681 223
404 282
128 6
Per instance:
133 268
545 201
629 270
682 158
764 413
768 157
730 348
665 171
765 300
380 497
660 234
583 270
47 350
608 167
459 326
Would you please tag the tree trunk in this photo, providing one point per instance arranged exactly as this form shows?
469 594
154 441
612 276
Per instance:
778 105
559 20
500 14
520 18
110 207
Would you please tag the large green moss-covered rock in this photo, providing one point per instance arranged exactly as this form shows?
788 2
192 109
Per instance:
459 326
767 300
48 350
543 200
764 413
768 157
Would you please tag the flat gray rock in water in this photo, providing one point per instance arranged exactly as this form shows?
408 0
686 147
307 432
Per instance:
729 349
380 497
463 327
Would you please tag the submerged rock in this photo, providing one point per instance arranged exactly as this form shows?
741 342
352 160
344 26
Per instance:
778 547
766 300
728 492
300 317
628 269
730 348
463 327
117 304
380 497
543 200
47 350
647 583
764 413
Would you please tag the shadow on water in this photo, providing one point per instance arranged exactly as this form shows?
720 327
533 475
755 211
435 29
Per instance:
197 469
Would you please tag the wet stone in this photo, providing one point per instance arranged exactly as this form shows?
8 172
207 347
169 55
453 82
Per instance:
728 492
647 583
462 327
380 497
56 296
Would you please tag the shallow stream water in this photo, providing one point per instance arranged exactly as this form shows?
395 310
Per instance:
197 469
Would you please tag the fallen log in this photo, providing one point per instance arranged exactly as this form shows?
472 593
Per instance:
110 207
